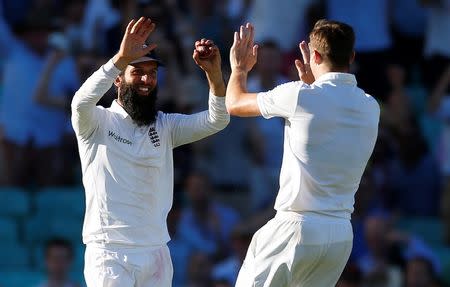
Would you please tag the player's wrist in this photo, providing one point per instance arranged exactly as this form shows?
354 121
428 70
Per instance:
239 70
121 61
215 76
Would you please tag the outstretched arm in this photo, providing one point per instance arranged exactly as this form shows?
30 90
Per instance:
243 55
207 56
190 128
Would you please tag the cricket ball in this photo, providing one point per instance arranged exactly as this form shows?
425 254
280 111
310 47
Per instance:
204 51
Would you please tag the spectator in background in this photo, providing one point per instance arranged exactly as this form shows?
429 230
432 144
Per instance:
373 40
58 261
408 32
236 10
209 21
388 250
439 107
351 277
221 283
53 97
99 16
179 249
265 136
271 18
437 41
375 265
33 130
367 200
412 168
71 21
205 224
199 271
414 171
14 11
419 272
228 269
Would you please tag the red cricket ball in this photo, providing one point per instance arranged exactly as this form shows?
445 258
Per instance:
204 51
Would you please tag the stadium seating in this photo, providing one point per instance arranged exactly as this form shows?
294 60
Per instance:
444 256
430 229
61 200
14 256
22 278
43 226
8 230
15 202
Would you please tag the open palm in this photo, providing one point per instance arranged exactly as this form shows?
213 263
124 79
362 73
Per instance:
133 45
243 53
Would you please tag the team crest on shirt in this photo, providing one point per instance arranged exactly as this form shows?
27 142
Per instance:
154 137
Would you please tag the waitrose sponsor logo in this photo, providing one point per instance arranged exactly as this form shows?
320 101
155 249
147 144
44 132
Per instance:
119 138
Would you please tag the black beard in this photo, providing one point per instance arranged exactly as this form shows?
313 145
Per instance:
142 109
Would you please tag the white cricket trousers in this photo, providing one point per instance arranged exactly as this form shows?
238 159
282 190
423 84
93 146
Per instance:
128 267
297 250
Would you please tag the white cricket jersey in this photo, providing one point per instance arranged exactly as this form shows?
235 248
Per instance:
330 131
128 170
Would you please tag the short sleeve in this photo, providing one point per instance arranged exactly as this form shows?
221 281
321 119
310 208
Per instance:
281 101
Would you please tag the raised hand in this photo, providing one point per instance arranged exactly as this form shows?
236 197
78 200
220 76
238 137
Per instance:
243 53
207 56
304 70
133 44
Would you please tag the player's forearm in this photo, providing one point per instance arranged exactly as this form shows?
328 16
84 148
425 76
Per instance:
237 87
218 117
238 101
84 102
190 128
216 83
95 86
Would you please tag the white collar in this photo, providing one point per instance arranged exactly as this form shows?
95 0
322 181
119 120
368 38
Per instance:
115 107
340 77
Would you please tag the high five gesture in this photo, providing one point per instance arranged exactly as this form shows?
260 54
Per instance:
243 53
133 45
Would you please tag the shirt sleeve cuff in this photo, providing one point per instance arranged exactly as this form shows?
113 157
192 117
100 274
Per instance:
215 99
110 69
261 106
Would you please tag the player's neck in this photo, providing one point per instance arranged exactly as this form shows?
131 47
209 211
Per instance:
322 70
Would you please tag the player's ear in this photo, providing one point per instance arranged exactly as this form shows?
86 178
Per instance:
118 81
317 57
352 58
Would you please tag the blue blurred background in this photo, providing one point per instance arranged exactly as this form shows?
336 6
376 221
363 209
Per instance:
225 185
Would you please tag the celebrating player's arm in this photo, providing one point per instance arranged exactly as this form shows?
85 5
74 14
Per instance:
189 128
277 102
85 114
243 56
207 56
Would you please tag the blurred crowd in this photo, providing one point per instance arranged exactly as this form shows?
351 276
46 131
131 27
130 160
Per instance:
225 185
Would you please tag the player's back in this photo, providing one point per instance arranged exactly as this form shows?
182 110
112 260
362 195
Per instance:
328 142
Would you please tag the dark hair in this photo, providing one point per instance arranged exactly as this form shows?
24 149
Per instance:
334 41
58 242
